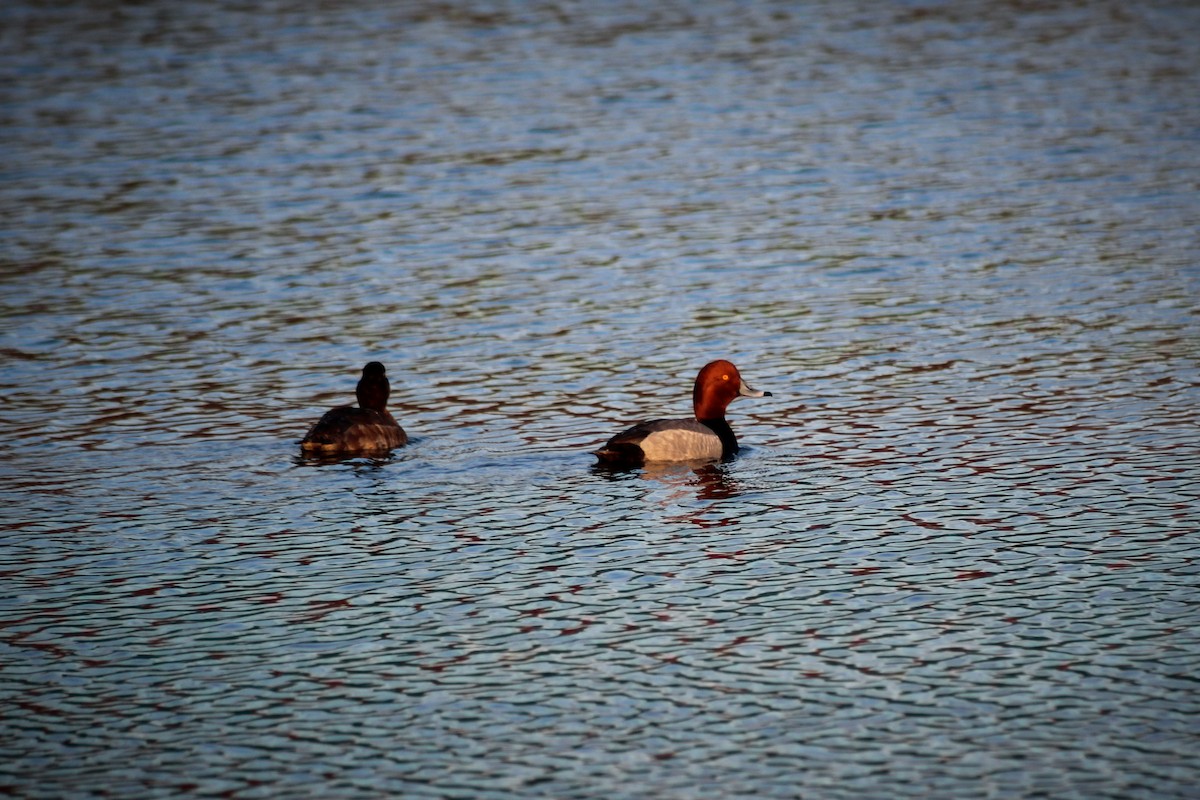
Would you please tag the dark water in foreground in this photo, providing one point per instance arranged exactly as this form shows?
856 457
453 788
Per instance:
957 241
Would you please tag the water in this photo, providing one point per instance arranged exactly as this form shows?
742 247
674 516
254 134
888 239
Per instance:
957 558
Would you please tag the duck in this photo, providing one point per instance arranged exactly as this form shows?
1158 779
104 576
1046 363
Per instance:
368 428
707 437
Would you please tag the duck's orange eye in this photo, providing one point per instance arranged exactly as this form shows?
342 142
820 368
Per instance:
724 377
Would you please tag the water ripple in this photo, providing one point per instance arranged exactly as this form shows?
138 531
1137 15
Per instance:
956 556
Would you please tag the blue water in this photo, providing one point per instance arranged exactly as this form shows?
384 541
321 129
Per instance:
956 558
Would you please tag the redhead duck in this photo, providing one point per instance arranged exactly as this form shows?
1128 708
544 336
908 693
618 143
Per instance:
707 437
370 427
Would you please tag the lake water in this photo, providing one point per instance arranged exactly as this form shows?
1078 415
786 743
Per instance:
958 556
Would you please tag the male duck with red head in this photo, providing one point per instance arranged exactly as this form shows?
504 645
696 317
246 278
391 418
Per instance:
708 437
368 428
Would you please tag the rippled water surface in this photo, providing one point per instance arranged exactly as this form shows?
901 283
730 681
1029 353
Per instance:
956 558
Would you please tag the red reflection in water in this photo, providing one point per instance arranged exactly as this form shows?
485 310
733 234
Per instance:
971 575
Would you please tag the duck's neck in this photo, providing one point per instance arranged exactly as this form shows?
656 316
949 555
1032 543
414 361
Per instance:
720 427
372 394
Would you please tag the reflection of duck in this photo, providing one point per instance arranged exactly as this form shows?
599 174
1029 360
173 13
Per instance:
705 438
368 428
680 480
708 481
